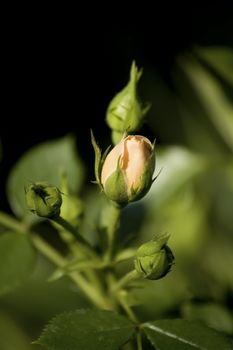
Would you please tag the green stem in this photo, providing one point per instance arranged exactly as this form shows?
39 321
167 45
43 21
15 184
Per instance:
129 312
48 251
114 222
84 245
130 276
68 227
11 223
139 340
78 250
91 274
56 258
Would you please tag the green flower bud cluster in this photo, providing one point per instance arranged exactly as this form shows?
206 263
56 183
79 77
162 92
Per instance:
125 112
154 259
43 199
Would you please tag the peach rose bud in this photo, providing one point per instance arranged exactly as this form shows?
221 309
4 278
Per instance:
127 171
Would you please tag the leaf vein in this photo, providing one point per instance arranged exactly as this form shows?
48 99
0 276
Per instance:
174 336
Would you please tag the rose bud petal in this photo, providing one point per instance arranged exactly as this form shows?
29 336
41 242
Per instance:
128 169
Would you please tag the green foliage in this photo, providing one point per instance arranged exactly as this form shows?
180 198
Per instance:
12 336
175 199
213 314
183 335
87 329
44 162
145 293
220 59
211 95
17 259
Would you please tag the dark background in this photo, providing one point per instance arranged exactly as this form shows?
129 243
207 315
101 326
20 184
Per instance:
60 72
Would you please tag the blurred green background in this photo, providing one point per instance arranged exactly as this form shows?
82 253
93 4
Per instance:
188 78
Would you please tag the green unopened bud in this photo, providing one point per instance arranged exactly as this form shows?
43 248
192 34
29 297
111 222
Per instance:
125 112
127 171
154 259
43 199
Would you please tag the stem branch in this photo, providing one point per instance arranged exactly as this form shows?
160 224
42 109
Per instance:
56 258
83 244
11 223
130 276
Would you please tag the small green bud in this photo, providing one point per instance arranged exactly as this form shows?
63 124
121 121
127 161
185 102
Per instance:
126 175
154 259
125 112
43 199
